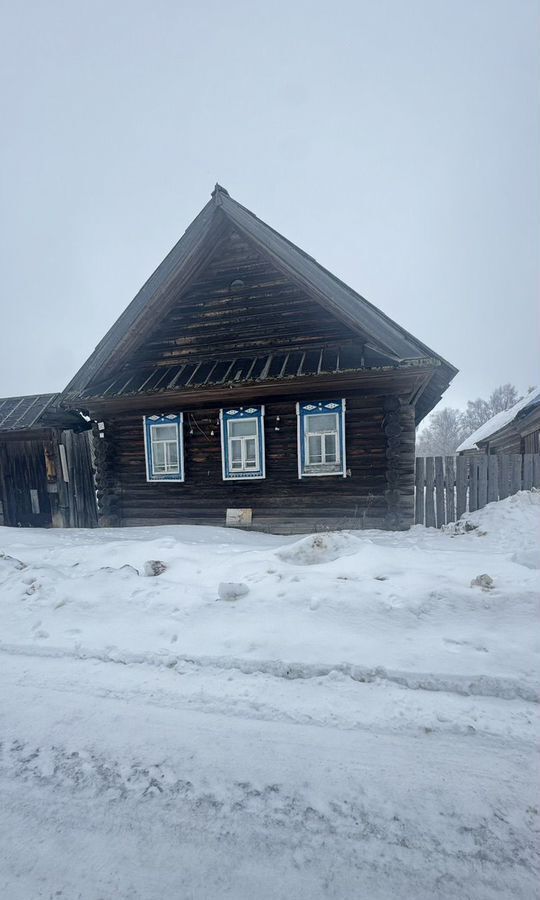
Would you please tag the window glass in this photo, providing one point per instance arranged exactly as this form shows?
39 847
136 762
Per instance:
324 422
158 456
243 428
314 454
251 453
164 433
330 448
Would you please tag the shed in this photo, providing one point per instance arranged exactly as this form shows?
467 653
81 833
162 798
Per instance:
514 430
46 475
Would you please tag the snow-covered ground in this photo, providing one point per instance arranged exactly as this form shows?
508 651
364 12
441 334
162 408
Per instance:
362 723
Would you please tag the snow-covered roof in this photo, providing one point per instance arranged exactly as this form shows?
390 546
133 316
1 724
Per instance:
499 420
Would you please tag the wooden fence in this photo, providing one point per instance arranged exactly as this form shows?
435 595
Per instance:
448 486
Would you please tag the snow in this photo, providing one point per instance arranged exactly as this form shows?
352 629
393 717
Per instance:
361 722
498 421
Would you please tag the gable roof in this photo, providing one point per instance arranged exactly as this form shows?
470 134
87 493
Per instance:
381 332
501 420
34 411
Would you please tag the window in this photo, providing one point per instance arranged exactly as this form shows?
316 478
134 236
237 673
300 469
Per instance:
321 438
164 447
242 442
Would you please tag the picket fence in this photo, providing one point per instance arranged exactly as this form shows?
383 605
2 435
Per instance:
448 486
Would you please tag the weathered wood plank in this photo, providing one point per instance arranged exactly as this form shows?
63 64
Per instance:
473 484
504 476
515 482
419 491
536 470
482 481
493 477
462 475
450 489
430 490
439 491
527 471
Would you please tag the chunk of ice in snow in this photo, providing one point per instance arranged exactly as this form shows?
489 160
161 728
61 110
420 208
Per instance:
230 590
320 548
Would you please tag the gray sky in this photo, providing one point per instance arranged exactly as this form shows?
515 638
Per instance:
397 141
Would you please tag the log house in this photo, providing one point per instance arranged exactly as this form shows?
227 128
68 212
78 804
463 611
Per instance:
247 384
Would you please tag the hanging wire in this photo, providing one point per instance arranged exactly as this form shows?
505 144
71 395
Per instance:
193 421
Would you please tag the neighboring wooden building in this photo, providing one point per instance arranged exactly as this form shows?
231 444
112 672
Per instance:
514 430
245 376
46 475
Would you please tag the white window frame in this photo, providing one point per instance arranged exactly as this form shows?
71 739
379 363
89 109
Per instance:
313 408
243 439
152 423
321 434
244 474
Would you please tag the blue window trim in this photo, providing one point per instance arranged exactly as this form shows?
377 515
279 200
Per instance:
313 408
165 419
234 414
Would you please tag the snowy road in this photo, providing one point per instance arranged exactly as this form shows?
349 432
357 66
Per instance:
131 785
362 724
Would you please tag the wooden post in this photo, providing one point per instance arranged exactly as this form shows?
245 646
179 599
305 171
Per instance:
504 476
473 484
482 481
527 471
419 491
462 468
450 496
430 487
439 491
515 484
493 477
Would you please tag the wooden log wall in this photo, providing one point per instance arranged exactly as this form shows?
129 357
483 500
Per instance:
446 487
280 502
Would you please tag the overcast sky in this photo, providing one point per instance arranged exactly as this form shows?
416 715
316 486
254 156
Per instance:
397 141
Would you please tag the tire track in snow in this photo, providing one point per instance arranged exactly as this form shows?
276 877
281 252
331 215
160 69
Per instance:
465 685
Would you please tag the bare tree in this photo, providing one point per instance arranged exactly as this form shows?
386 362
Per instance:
446 429
503 397
479 411
443 433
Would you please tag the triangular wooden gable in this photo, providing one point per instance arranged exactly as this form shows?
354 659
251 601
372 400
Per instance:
238 304
232 278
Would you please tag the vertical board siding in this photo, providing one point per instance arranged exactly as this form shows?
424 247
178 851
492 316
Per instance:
450 478
473 484
493 479
430 485
419 492
527 471
462 469
446 487
482 481
439 491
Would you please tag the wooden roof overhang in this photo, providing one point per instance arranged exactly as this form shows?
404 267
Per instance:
409 382
34 416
